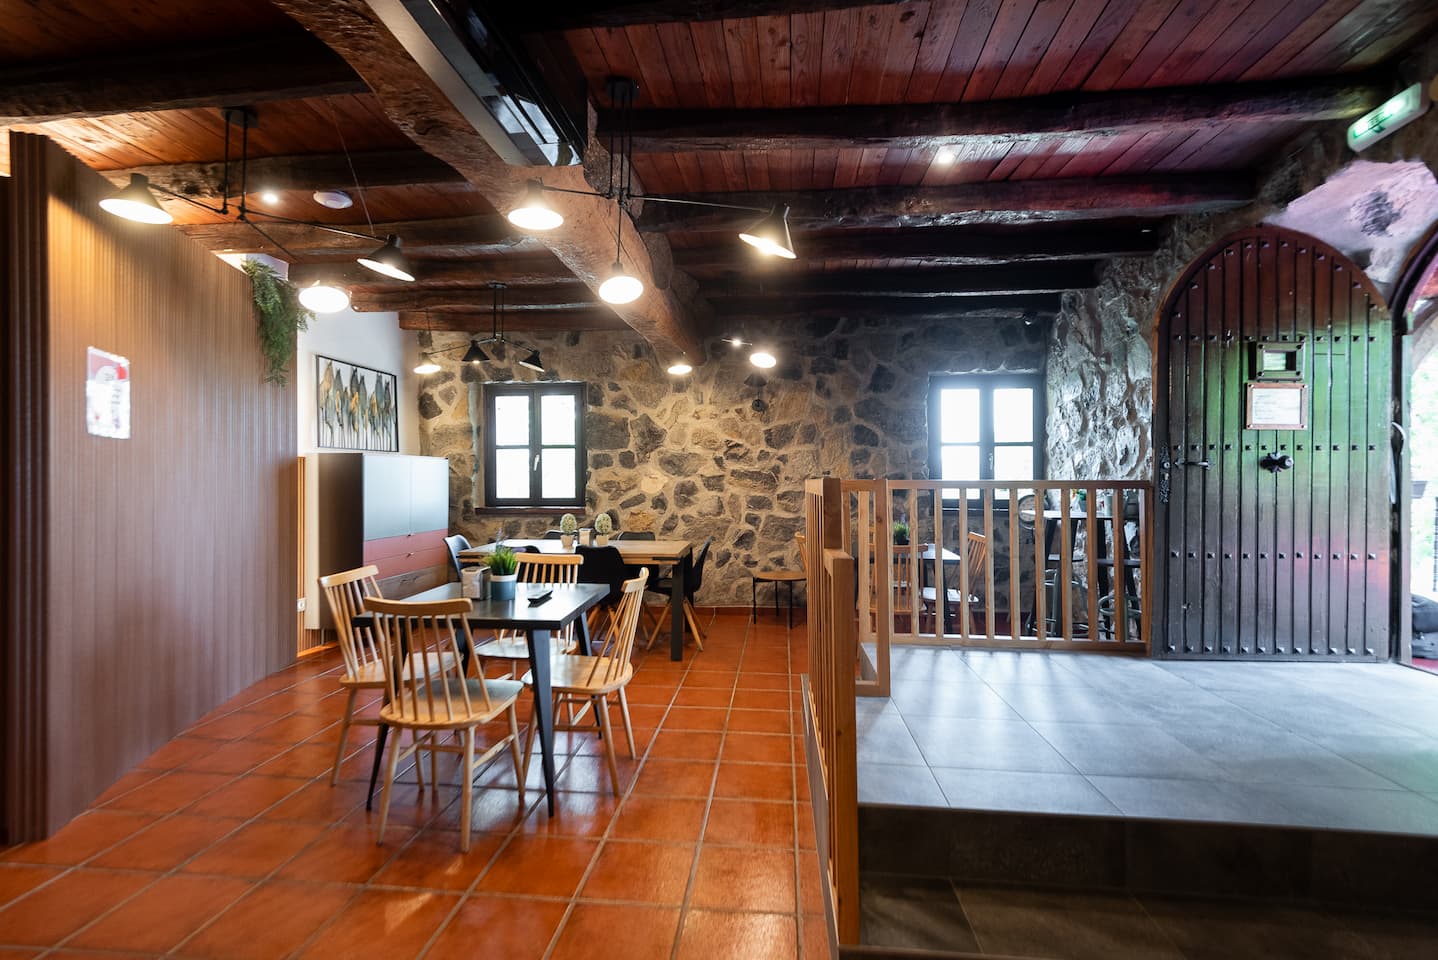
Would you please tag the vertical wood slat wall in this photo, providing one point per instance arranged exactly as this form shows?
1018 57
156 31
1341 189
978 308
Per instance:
1253 564
171 556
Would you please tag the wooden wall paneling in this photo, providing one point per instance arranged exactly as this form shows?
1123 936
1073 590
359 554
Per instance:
175 549
24 382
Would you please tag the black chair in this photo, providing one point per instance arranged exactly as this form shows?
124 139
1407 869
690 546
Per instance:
635 535
552 535
454 545
693 580
604 565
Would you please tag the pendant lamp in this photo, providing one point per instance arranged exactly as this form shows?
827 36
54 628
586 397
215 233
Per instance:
135 202
389 261
770 234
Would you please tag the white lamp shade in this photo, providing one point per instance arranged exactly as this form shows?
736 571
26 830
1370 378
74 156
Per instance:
680 369
323 298
535 213
620 287
426 367
762 359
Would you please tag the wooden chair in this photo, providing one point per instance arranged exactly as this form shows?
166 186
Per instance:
442 700
591 680
359 646
538 568
692 582
975 554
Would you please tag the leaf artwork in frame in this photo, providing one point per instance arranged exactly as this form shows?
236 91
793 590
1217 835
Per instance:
355 407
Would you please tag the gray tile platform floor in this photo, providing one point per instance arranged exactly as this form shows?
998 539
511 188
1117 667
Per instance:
1336 745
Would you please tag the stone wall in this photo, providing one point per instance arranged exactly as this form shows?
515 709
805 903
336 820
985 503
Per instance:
1100 369
714 454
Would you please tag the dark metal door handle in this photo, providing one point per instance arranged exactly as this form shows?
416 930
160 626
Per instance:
1273 463
1204 464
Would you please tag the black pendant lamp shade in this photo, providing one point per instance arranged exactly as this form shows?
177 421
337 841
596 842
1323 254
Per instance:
475 353
770 234
389 261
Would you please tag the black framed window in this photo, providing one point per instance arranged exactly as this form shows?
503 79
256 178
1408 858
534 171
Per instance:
534 444
986 427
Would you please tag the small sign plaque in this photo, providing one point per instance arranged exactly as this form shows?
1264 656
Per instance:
1276 406
107 395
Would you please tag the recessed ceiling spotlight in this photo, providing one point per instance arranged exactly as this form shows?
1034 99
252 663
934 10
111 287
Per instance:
680 369
334 199
736 342
270 197
762 359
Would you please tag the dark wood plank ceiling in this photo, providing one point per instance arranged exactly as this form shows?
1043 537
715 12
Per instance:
998 121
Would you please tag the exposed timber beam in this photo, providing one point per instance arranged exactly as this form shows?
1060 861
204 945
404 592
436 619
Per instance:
574 296
922 283
311 171
919 126
517 271
935 308
454 236
531 18
953 245
534 321
996 202
288 66
429 103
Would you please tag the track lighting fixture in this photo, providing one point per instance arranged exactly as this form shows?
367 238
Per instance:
135 202
389 261
770 234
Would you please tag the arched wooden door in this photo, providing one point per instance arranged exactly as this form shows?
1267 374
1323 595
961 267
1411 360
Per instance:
1271 326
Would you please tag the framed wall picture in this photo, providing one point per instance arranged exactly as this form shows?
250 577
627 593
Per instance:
355 407
1276 405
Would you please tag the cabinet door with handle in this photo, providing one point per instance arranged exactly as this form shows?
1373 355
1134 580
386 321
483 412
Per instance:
387 483
429 494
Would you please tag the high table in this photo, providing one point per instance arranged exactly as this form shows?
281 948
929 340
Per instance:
566 605
639 553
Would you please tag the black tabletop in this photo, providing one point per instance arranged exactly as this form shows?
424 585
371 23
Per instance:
565 603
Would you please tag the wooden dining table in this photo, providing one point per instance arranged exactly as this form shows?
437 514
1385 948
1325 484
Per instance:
538 622
674 554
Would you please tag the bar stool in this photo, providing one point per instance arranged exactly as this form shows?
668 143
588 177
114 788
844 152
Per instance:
775 577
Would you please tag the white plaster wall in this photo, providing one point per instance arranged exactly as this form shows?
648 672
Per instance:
371 340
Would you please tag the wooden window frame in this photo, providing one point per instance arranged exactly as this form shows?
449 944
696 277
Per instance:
535 392
986 384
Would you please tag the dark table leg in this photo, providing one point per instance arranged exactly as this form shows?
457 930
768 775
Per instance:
791 601
583 639
543 708
378 758
676 611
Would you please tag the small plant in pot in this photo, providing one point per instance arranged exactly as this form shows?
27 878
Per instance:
568 527
503 571
901 532
603 527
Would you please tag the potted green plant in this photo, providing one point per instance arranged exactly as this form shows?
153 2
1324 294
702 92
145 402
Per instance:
568 527
503 571
603 527
901 532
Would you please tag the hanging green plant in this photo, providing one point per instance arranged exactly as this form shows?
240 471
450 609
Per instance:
279 316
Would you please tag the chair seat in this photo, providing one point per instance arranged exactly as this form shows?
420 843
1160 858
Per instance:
766 576
501 694
515 648
371 675
572 673
953 596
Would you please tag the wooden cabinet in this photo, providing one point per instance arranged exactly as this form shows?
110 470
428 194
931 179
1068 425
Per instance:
386 509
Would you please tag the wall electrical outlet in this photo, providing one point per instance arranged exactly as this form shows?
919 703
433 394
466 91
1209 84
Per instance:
300 605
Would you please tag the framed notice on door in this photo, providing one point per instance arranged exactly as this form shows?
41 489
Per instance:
1276 406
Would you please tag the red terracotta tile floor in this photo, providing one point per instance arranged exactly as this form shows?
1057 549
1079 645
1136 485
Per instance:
228 842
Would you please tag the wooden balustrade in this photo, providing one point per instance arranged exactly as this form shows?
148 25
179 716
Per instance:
829 719
1000 570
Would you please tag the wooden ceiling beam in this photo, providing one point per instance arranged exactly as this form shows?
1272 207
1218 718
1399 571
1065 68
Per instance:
414 100
309 171
533 321
574 296
916 283
286 66
518 271
532 18
982 124
996 202
453 236
951 245
937 308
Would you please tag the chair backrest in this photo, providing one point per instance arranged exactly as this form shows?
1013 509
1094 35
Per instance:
900 558
603 565
610 662
695 580
346 592
554 568
635 535
975 554
454 545
803 543
552 535
423 646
